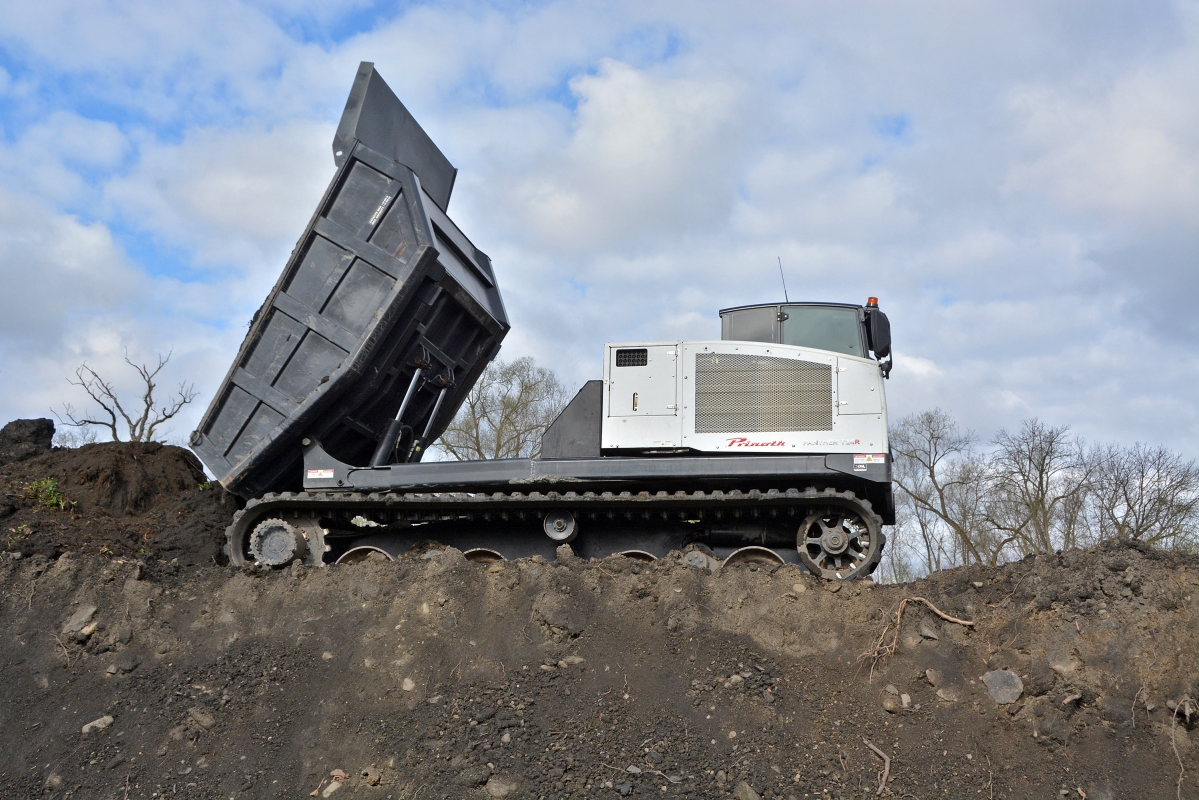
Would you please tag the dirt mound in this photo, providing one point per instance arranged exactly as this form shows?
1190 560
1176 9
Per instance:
123 478
436 677
113 499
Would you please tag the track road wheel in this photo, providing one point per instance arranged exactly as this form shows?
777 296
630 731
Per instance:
839 544
483 555
762 556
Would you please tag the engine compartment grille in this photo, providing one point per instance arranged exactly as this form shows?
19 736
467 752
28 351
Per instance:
741 393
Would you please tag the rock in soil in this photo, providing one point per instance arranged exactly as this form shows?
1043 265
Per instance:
98 724
500 787
79 619
1004 686
745 792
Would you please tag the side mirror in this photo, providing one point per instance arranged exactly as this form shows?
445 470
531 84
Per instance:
879 328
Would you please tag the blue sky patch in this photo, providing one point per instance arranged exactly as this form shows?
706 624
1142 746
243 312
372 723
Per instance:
155 257
893 126
328 33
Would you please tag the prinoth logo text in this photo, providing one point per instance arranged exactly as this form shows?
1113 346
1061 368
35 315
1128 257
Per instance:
741 441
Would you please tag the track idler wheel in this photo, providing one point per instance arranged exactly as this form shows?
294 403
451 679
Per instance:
483 555
840 544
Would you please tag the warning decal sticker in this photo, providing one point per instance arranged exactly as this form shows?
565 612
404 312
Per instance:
860 460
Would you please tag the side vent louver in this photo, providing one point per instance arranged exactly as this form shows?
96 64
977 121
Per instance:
632 357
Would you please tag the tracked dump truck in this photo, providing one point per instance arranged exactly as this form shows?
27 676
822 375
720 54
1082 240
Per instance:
767 445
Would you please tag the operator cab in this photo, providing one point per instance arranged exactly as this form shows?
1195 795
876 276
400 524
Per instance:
835 327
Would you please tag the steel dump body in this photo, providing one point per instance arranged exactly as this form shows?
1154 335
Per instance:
382 283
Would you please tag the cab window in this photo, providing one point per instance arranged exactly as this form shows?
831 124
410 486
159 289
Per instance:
750 325
823 328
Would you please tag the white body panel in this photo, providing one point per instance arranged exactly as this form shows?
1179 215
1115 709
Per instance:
647 391
771 387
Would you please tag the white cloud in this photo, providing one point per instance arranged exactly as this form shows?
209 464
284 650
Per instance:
48 157
647 155
228 196
1131 153
54 267
922 369
72 296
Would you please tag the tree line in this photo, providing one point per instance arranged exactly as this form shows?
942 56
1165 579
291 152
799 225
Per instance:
1036 490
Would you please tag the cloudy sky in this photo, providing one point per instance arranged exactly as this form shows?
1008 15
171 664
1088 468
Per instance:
1018 182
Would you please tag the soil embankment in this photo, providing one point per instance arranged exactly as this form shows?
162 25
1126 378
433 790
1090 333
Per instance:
124 500
436 677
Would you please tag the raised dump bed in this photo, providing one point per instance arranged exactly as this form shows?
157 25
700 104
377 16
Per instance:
383 304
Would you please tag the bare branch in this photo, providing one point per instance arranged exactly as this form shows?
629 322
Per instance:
141 428
886 773
940 475
1145 493
1040 479
1039 490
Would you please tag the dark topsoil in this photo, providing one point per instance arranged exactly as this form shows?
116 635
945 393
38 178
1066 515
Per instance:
118 500
436 677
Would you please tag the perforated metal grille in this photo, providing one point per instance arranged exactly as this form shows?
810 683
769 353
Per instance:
738 393
634 357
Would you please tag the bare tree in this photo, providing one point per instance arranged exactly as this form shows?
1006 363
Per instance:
944 479
1038 490
898 564
1147 493
1039 480
144 426
77 437
506 412
934 554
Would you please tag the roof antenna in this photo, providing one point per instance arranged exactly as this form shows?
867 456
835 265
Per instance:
785 297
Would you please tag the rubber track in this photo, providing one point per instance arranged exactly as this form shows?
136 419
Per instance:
641 503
